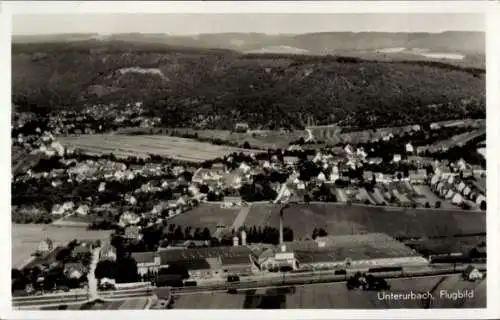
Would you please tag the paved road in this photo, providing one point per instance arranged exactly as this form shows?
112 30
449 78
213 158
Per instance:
92 281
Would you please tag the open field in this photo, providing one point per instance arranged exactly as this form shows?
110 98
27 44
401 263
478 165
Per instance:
339 219
26 237
263 139
206 215
336 296
144 145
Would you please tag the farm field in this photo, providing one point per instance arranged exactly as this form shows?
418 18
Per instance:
336 296
265 139
340 219
206 215
26 237
144 145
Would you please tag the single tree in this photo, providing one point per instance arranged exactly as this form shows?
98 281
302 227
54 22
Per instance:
483 205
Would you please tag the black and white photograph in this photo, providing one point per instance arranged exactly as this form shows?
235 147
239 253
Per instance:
164 161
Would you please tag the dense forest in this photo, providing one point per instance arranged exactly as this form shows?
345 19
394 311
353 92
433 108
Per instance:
215 89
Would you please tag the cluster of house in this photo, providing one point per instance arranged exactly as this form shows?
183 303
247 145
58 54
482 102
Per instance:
463 184
76 268
108 171
80 122
43 143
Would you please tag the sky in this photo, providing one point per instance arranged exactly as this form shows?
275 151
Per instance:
190 24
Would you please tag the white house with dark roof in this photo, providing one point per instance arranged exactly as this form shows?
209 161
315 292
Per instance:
471 273
467 191
147 262
461 186
480 199
83 210
457 199
449 194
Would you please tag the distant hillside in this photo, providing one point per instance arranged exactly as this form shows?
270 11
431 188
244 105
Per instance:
215 88
470 46
316 43
279 50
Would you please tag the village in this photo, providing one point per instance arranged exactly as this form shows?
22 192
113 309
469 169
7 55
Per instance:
143 202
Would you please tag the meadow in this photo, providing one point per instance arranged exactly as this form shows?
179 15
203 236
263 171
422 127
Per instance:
263 139
144 145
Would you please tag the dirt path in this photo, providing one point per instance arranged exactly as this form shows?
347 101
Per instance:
241 217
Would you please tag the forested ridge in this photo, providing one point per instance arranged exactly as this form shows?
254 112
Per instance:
205 88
